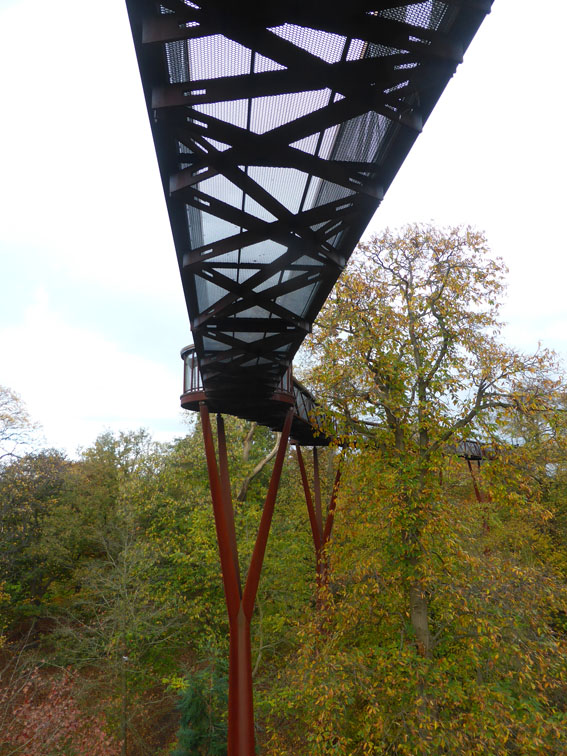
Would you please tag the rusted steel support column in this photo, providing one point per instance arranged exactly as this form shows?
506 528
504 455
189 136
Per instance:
226 495
332 507
321 535
240 604
253 577
308 500
481 499
475 485
317 490
329 525
240 695
315 521
224 524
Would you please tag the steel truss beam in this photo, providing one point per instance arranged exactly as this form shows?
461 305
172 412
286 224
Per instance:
239 599
278 128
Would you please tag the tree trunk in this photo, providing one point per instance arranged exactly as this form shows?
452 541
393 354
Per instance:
419 617
259 467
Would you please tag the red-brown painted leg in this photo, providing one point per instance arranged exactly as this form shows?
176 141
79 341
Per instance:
223 523
227 499
308 500
240 696
253 577
240 604
331 511
317 490
320 535
328 530
476 488
480 498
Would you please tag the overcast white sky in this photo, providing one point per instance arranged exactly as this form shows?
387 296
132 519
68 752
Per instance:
92 315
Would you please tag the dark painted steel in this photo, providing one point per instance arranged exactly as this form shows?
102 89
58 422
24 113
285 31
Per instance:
289 392
473 450
240 603
278 127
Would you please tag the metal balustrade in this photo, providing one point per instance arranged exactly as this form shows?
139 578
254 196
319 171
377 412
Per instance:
288 392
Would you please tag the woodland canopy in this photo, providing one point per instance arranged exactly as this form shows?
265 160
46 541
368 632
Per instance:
441 624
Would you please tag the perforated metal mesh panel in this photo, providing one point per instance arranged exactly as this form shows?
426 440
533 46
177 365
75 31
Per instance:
278 128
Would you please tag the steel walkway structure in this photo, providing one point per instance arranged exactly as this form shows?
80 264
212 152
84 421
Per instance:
278 127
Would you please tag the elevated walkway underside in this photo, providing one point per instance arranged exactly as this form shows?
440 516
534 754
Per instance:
278 127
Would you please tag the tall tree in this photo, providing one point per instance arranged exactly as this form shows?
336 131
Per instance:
408 359
32 553
16 426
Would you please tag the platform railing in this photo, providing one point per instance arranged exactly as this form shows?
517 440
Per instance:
193 381
289 391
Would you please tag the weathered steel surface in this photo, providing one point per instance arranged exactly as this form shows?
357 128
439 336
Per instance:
239 598
321 534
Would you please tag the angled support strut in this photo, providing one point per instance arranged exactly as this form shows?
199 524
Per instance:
321 534
477 492
480 497
239 601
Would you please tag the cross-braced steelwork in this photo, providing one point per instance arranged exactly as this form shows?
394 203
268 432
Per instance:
278 128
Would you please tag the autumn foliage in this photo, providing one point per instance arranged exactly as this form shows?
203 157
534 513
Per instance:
46 719
441 625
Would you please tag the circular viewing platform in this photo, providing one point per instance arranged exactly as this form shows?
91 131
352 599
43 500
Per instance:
249 403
